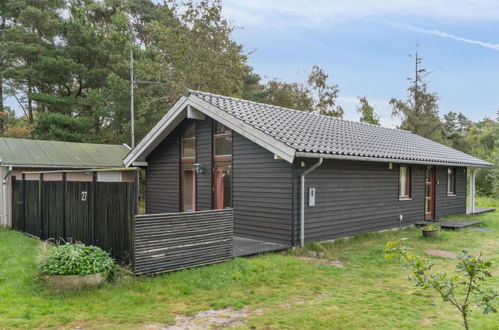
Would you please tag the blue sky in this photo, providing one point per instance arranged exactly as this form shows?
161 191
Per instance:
364 46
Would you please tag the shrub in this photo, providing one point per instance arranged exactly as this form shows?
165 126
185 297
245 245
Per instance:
464 290
430 228
77 259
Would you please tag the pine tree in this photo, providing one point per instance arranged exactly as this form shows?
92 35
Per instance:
367 112
419 113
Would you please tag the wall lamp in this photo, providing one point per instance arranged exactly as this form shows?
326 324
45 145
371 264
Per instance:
199 169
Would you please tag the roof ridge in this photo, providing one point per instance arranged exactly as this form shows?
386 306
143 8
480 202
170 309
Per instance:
289 109
56 141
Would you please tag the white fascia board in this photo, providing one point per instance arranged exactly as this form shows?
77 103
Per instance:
170 120
264 140
180 111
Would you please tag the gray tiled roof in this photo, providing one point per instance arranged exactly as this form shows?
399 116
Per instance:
312 134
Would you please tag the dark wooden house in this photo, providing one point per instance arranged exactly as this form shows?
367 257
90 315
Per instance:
293 176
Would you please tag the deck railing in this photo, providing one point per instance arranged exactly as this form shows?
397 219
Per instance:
174 241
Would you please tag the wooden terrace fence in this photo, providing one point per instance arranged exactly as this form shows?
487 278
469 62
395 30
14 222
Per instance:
94 213
173 241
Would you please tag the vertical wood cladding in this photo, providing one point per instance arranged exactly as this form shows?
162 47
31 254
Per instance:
162 176
262 193
448 205
204 155
355 197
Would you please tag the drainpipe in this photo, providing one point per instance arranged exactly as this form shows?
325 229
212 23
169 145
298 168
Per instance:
4 196
302 200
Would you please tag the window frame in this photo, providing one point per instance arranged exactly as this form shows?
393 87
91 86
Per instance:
451 175
408 185
221 136
221 161
187 139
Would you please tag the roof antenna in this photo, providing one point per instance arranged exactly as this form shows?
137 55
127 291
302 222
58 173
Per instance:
133 82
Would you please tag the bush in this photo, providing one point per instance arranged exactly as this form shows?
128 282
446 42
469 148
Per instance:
430 228
77 259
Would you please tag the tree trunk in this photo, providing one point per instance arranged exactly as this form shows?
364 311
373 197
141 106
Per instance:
465 321
30 102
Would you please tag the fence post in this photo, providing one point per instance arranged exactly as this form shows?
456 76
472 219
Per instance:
64 234
40 206
93 208
23 201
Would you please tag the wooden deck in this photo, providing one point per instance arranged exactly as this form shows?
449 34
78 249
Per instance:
479 210
450 224
247 247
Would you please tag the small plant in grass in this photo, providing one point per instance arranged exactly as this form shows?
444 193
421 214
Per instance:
431 231
430 228
77 259
464 290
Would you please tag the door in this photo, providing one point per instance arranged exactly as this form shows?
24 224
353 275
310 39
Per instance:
223 185
430 194
188 203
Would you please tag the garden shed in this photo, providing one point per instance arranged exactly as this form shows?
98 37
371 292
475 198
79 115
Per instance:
57 160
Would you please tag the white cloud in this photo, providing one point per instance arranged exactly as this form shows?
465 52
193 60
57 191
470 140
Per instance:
320 13
451 36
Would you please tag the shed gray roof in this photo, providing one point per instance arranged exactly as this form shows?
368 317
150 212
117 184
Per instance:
58 154
314 135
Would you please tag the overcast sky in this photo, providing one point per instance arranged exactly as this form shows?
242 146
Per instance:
364 46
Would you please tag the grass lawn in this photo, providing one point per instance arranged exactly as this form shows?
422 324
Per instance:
277 290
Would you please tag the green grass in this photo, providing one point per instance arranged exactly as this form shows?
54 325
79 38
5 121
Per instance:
281 290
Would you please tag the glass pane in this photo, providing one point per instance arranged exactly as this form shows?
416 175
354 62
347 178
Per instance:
403 181
190 132
221 129
427 206
188 191
223 187
189 149
223 145
428 190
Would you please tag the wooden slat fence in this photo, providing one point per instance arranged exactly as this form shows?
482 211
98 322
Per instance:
173 241
94 213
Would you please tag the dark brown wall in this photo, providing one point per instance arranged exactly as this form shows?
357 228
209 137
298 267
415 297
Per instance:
204 151
262 193
162 176
448 205
355 197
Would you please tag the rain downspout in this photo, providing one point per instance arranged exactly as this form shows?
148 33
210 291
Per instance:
4 196
302 200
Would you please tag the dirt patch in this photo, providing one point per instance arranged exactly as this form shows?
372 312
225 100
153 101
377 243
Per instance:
210 319
335 263
441 253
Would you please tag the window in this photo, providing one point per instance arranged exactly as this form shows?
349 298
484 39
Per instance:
451 181
222 140
404 182
222 166
189 142
109 176
187 171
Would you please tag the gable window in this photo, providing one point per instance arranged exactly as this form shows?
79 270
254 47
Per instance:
222 140
404 182
189 142
187 170
222 166
451 181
